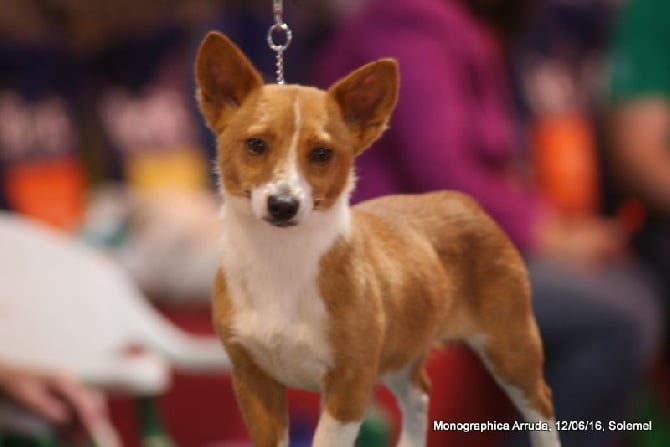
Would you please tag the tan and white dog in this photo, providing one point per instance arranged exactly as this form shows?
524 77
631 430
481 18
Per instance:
314 294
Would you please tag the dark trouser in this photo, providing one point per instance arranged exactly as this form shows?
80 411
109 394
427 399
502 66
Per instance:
600 331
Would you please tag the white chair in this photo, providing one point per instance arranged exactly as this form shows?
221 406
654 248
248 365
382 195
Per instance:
65 306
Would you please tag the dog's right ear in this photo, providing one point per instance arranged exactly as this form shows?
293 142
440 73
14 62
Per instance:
224 78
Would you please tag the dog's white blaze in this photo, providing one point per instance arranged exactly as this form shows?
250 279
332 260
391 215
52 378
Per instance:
413 404
287 177
272 276
518 398
332 433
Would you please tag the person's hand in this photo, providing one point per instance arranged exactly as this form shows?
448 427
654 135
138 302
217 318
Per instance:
582 242
61 400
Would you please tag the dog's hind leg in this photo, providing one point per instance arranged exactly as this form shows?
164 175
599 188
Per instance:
495 318
411 388
514 357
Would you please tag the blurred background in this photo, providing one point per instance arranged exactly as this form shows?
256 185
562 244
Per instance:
554 114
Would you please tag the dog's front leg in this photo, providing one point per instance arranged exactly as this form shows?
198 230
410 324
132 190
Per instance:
345 399
261 399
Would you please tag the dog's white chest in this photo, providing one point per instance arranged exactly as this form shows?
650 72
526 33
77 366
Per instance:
289 345
283 326
272 279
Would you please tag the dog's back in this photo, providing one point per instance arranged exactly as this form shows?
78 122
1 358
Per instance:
440 234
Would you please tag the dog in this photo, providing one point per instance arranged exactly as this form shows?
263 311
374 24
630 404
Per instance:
315 294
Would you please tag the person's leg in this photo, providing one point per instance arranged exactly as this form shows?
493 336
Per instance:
599 331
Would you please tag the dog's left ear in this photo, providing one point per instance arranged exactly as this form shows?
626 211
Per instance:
366 98
224 77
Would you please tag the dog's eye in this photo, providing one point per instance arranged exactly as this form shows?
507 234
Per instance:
320 155
256 146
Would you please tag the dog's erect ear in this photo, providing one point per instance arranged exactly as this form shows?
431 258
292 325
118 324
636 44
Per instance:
224 77
366 98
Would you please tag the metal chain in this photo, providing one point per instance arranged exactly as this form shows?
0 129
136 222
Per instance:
279 27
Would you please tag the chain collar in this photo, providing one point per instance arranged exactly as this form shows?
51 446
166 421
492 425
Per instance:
277 30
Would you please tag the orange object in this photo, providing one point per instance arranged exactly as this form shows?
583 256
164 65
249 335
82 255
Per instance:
49 190
565 162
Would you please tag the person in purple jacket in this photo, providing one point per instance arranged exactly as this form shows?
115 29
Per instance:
454 129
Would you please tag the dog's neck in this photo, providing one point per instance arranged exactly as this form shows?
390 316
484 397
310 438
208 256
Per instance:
287 247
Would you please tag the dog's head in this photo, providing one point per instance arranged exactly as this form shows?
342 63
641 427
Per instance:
288 149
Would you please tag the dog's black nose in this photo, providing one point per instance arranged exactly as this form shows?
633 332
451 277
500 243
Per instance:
282 207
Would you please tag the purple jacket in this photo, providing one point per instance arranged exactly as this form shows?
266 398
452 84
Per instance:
453 125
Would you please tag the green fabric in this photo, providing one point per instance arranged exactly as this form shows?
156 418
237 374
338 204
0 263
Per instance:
641 51
18 440
651 408
376 429
152 429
